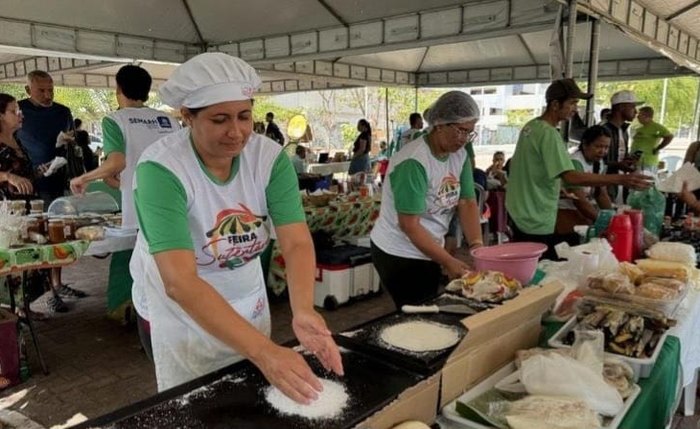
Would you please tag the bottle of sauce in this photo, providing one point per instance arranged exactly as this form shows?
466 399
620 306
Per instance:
56 231
69 228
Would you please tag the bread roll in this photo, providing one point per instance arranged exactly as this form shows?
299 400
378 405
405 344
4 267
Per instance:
673 270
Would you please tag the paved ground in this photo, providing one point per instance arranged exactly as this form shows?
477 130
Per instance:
97 366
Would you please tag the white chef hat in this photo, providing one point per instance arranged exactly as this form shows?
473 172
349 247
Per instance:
210 78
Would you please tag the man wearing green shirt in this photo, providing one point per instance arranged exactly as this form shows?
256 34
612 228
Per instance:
646 137
540 162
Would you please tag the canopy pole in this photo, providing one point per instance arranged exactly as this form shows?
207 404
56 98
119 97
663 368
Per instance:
664 93
415 100
570 34
386 113
593 56
696 117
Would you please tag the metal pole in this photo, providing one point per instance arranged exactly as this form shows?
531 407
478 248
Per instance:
696 116
415 101
593 56
570 33
663 101
386 112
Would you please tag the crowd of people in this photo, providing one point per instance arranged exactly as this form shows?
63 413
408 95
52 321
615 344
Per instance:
207 196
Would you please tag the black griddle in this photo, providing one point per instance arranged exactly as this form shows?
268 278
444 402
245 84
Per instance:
365 338
233 397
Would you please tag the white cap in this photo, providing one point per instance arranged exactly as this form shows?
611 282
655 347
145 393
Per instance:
210 78
625 96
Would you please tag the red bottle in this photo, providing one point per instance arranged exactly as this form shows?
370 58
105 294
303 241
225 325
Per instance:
637 219
619 234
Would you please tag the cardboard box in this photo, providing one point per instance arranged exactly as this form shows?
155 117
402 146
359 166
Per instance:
415 403
462 373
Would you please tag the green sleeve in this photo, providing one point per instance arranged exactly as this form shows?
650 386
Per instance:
409 183
578 167
282 193
469 147
556 159
466 181
161 207
663 131
112 137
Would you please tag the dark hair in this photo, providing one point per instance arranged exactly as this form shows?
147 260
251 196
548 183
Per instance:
591 134
270 114
134 82
300 150
414 118
77 123
499 152
604 113
368 131
647 110
5 100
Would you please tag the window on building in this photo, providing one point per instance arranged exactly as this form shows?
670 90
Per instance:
475 91
489 90
495 111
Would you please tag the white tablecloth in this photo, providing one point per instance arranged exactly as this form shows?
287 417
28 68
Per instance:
688 332
329 168
111 244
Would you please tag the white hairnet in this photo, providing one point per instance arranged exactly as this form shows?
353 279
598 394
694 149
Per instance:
452 108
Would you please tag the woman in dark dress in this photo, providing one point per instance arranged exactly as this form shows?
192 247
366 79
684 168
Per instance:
361 148
16 171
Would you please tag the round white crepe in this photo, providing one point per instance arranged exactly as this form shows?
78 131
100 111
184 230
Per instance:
418 336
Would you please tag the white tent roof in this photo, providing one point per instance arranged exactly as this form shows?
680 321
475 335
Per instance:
315 44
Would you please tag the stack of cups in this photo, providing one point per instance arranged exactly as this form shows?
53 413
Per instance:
36 207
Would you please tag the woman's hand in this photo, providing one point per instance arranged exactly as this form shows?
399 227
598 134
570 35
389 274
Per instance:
456 268
78 185
288 371
313 334
43 168
21 184
687 197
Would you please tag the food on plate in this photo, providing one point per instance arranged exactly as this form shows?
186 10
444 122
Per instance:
619 375
487 286
551 412
673 270
91 233
629 330
419 336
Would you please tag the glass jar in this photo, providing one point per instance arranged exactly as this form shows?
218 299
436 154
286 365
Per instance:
19 207
56 231
69 228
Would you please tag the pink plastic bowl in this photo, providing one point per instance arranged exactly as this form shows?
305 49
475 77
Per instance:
517 260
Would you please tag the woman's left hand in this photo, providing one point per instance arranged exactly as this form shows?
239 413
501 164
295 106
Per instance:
313 334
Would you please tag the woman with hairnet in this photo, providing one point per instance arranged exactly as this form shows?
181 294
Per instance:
427 180
206 197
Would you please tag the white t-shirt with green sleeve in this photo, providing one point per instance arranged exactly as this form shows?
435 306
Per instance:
533 186
418 183
180 205
130 131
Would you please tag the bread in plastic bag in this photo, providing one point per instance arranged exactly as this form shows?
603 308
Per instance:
673 252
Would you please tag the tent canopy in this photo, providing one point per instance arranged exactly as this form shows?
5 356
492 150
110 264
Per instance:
320 44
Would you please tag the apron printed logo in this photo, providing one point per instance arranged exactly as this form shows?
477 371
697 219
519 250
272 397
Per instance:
238 236
259 308
447 194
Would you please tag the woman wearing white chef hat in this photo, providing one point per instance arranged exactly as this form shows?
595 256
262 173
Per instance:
206 198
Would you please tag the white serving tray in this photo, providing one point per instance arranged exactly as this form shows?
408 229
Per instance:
642 367
451 414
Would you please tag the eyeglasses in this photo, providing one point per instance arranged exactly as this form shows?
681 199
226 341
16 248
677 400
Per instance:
470 135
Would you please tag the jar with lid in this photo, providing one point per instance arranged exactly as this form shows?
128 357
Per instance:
69 227
56 231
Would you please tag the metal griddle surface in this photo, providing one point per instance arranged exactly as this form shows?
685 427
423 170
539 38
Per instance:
234 398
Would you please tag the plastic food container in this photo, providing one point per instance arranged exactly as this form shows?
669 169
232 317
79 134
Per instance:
93 202
666 306
517 260
451 414
642 366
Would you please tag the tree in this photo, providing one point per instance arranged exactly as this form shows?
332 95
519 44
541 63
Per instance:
265 103
680 97
519 117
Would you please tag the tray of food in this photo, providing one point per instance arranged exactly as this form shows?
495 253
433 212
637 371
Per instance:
632 284
488 287
632 333
420 342
486 407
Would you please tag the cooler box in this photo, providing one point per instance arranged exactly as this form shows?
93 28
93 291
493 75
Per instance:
9 347
343 272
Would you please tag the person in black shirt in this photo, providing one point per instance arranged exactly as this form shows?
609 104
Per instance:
361 148
82 139
273 131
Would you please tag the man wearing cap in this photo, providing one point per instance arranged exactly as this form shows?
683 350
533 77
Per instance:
207 198
540 162
127 133
624 109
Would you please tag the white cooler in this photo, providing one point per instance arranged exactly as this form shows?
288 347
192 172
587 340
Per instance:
337 283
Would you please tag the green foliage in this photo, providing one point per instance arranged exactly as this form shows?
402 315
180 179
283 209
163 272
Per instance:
14 89
348 133
519 117
264 104
680 98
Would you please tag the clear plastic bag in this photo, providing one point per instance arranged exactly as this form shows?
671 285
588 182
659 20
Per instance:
673 252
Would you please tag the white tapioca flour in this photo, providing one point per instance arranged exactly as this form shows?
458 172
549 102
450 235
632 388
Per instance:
418 336
331 401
